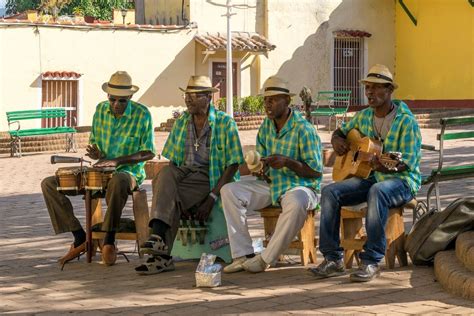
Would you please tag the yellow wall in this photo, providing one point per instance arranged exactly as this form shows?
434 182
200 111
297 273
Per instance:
118 18
435 59
160 11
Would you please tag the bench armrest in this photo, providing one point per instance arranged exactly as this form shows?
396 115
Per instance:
428 147
13 122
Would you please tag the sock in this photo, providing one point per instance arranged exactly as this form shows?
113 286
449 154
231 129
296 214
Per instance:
160 228
250 255
79 237
109 238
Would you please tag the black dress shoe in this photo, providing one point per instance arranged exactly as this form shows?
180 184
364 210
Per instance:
365 273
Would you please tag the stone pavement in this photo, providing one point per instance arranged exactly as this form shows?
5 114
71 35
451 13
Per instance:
32 283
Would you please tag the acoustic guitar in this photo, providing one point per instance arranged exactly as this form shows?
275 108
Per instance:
357 161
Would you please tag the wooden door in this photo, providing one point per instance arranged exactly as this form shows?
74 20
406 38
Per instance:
219 79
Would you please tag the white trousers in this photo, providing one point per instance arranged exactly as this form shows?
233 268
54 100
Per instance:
250 194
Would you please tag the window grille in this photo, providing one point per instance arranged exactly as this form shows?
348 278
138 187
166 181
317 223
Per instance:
60 93
349 66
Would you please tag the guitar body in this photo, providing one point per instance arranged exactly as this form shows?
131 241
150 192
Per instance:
353 164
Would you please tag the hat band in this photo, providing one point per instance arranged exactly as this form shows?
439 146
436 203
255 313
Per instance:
277 89
118 87
198 87
380 76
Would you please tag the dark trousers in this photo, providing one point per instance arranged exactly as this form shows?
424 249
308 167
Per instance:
176 189
61 211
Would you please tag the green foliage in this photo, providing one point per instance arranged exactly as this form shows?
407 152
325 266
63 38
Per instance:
99 9
244 106
15 6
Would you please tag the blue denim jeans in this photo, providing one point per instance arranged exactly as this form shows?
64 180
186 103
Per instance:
380 198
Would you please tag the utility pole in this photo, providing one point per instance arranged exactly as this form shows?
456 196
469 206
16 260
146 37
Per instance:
229 95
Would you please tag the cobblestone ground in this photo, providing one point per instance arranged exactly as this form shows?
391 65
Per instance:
32 283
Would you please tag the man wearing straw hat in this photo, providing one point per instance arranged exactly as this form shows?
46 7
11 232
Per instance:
291 154
393 123
121 137
204 152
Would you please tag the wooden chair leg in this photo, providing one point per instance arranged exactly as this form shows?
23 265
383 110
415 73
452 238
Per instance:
395 235
141 215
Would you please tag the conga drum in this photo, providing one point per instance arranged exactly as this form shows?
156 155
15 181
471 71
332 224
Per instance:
70 179
98 178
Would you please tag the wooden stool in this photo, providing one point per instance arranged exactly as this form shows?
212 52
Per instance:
306 242
140 214
353 235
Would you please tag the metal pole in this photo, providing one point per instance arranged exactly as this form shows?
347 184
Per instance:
229 96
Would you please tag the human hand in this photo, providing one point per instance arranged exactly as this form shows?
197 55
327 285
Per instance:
106 163
94 152
275 161
204 210
340 145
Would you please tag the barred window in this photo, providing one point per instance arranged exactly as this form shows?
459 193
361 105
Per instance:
349 66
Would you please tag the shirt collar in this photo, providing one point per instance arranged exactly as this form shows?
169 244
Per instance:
211 117
289 124
128 109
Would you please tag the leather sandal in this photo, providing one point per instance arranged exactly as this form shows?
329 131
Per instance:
73 253
109 255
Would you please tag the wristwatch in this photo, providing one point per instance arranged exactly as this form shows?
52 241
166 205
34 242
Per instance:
213 195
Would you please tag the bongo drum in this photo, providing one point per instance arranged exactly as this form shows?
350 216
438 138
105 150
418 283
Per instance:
70 178
98 178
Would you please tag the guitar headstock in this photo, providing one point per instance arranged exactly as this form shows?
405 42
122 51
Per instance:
391 160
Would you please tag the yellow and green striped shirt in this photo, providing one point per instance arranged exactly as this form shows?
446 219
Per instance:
225 148
404 136
126 135
297 140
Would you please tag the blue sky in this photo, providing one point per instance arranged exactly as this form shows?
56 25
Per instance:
2 3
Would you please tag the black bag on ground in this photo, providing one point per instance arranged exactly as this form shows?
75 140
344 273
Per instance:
436 231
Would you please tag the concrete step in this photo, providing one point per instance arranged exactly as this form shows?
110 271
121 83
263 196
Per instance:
43 143
429 114
465 249
452 275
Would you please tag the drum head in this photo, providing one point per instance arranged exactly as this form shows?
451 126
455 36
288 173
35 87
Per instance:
70 170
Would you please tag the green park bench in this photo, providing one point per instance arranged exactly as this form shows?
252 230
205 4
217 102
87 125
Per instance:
452 172
14 117
332 104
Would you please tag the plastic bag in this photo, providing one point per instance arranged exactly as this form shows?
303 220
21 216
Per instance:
208 273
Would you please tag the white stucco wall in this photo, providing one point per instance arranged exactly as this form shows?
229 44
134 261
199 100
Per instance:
208 15
158 63
303 33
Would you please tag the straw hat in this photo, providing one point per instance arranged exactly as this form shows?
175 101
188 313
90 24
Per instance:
379 74
275 85
199 84
120 84
252 158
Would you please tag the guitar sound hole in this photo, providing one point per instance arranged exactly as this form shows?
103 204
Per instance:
356 155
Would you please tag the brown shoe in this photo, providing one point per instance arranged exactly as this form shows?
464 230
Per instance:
73 253
109 254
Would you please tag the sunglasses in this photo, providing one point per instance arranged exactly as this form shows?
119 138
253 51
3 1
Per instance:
196 95
121 100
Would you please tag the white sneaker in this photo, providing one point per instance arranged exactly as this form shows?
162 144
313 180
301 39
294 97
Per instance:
236 265
255 264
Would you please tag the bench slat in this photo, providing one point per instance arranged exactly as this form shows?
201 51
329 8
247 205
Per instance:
457 135
43 131
35 114
463 120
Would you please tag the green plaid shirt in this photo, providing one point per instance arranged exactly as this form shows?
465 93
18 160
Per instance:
129 134
404 136
297 140
225 147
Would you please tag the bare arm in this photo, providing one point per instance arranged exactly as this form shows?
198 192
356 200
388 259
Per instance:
300 168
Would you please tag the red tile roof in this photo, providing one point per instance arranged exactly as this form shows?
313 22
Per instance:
241 41
56 75
352 33
96 24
